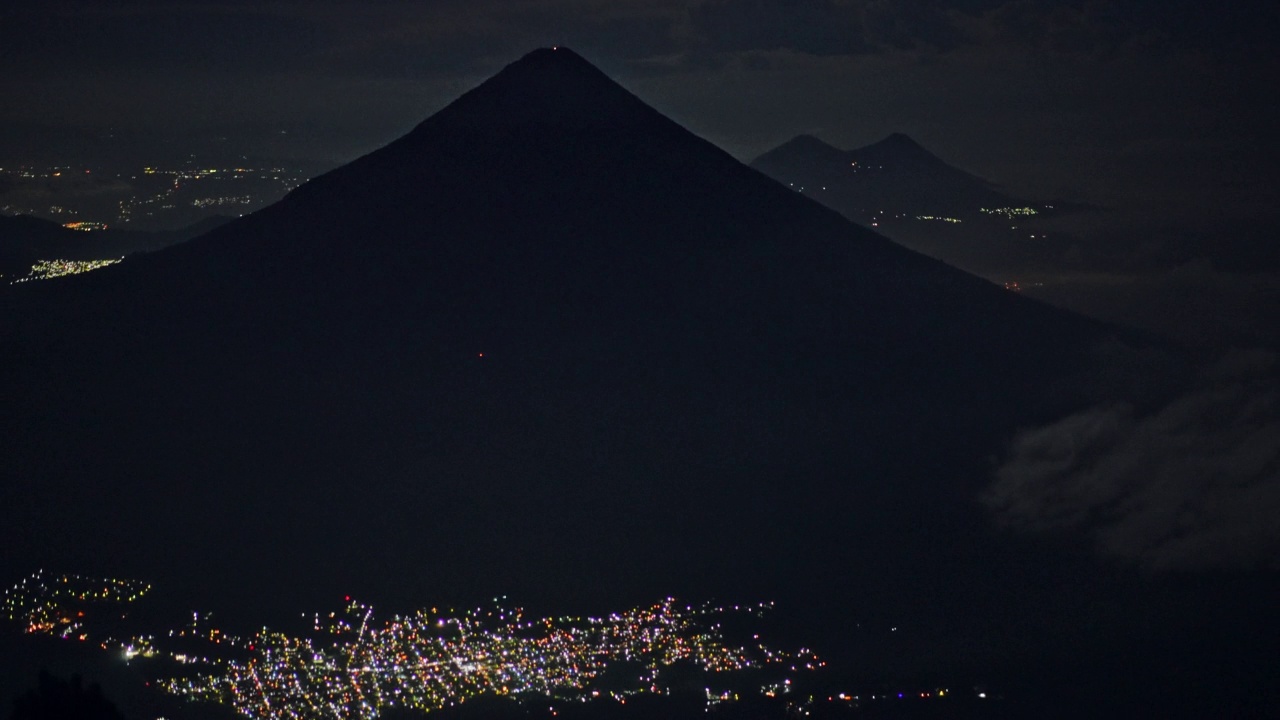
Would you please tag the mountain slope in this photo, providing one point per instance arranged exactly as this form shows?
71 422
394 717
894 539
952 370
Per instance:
552 345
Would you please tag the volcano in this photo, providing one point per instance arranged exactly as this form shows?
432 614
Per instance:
548 344
893 177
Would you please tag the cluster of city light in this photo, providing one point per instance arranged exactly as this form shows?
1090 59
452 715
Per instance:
165 199
32 173
1015 286
26 172
939 219
196 173
219 201
432 660
85 226
936 693
347 665
1011 212
62 604
11 209
49 269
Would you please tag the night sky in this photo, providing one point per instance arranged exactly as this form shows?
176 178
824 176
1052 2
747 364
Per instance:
1161 108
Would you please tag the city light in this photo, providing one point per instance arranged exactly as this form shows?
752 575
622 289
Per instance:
1011 212
85 226
49 269
350 665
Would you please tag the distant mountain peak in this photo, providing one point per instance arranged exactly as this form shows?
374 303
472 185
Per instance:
898 147
556 54
555 60
899 144
902 139
807 141
803 147
895 173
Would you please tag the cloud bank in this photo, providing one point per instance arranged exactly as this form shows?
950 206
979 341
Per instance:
1193 485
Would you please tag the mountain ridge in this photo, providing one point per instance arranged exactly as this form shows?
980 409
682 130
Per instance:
893 176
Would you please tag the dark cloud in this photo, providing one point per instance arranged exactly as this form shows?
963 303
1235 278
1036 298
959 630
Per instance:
239 33
1200 25
912 24
1076 27
1109 26
1072 28
816 27
414 51
155 39
852 27
1192 485
827 27
632 38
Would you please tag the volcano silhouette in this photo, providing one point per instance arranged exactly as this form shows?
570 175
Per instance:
548 344
894 176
